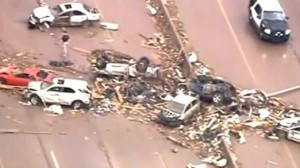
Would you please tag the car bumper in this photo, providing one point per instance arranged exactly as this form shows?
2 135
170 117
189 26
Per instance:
32 20
275 39
170 122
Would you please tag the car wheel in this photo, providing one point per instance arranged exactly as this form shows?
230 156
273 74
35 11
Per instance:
101 63
77 104
30 26
181 89
261 35
3 81
86 24
218 98
35 100
46 24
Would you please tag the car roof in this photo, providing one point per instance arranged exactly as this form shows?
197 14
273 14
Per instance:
184 99
71 6
73 83
270 5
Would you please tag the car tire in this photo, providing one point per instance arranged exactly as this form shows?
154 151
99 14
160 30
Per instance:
77 104
218 98
181 89
30 26
3 81
35 100
46 24
86 24
101 63
261 35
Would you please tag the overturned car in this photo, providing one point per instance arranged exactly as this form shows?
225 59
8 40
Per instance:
65 14
116 64
212 90
178 110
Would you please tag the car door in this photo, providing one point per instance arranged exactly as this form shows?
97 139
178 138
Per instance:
77 18
294 134
21 79
67 96
256 11
52 94
64 18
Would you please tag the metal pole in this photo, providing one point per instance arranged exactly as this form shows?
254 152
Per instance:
291 89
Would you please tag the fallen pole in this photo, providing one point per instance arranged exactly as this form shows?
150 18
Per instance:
291 89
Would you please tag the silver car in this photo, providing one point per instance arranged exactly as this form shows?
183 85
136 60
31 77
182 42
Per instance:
179 110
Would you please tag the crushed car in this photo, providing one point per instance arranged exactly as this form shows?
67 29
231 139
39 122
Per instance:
178 110
70 92
212 89
65 14
11 75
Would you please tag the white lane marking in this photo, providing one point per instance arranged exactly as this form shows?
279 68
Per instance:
1 163
53 157
161 160
238 44
289 153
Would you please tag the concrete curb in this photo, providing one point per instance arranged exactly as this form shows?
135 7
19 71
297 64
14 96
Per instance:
176 37
229 154
232 161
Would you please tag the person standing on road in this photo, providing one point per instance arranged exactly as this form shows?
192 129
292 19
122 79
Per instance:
65 41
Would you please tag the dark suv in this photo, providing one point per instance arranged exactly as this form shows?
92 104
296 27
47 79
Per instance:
268 18
212 90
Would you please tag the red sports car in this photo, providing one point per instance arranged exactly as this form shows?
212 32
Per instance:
11 75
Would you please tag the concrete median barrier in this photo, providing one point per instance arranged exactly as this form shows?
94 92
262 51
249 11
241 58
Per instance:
179 46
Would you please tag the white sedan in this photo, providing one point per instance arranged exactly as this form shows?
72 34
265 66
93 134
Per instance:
65 14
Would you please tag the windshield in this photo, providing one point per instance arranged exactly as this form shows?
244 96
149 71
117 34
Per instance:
273 15
42 74
86 7
175 107
56 10
45 85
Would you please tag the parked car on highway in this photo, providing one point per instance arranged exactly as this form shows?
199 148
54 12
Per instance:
179 110
11 75
212 90
71 92
65 14
269 20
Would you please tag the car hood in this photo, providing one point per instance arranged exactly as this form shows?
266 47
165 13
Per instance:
281 25
41 12
35 85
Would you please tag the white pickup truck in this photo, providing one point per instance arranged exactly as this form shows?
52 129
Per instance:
65 14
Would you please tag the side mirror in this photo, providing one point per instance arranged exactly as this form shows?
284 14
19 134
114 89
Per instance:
287 18
258 17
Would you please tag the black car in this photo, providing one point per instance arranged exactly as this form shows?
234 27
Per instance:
212 90
269 20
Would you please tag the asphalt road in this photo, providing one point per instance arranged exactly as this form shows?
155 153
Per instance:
78 140
15 37
220 31
81 140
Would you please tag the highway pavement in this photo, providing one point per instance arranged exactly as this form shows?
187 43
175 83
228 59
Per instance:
220 31
79 140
